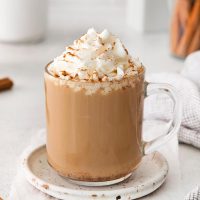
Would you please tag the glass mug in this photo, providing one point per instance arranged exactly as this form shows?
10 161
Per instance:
96 139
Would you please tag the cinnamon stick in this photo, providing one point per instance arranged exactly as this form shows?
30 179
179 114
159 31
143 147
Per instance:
195 44
5 84
175 29
191 26
184 12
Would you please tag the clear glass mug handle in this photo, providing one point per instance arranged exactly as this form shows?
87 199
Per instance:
173 124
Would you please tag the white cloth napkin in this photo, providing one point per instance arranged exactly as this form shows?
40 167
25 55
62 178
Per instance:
194 194
192 71
156 107
160 106
188 86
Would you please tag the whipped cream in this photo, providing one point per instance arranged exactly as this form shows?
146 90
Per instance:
95 57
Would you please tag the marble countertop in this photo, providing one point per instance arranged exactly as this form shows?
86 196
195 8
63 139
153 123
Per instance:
22 108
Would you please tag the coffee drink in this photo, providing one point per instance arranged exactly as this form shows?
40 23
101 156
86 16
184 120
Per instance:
94 106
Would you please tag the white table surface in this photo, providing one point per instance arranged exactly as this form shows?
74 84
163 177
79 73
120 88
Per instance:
22 108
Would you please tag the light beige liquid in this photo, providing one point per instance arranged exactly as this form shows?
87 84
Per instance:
94 137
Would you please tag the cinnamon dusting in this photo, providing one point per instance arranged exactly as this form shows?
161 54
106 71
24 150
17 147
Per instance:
45 186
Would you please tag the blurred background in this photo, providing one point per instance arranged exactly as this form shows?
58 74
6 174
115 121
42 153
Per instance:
141 24
33 32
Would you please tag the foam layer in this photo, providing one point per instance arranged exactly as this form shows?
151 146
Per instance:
91 88
95 57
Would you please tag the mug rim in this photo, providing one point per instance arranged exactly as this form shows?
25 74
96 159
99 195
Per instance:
139 75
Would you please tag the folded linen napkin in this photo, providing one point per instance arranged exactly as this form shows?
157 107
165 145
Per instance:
188 86
160 106
194 195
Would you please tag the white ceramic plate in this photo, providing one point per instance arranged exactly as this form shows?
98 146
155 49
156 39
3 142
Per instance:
150 175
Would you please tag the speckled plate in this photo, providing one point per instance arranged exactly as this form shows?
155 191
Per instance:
150 175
